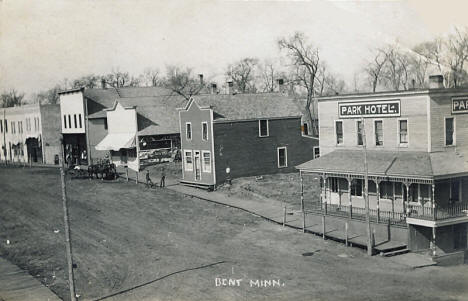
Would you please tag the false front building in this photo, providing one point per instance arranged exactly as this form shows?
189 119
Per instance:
417 154
30 133
225 136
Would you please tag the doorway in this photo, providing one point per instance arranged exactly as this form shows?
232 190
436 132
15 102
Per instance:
197 166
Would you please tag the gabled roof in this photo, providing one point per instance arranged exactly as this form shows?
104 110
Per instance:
126 92
156 115
105 97
250 106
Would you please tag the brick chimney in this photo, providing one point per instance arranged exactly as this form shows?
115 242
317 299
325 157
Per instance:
200 77
436 82
280 85
230 87
214 88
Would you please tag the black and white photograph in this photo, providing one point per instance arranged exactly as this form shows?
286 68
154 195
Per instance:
233 150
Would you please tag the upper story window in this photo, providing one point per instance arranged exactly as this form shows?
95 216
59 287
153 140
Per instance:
65 121
75 121
188 131
105 123
403 131
359 129
6 126
305 128
204 130
263 128
69 121
13 127
449 131
1 126
378 129
339 132
316 152
79 119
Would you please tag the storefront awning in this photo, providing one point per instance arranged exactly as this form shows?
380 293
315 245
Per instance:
117 141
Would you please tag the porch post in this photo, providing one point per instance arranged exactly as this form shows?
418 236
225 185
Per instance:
405 205
393 200
302 191
434 215
433 241
350 181
377 185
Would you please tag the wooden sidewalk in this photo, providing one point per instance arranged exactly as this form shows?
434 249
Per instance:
17 285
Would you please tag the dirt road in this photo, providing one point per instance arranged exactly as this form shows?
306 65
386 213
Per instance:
170 247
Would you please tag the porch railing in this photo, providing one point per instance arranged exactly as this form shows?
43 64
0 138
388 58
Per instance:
439 213
377 216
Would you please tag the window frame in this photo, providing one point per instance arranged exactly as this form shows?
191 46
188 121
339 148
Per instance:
359 133
354 184
204 124
454 133
285 148
69 121
187 124
260 128
402 144
313 150
336 132
188 166
305 129
204 169
80 121
375 133
64 121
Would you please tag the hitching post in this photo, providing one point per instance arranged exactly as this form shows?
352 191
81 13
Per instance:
68 244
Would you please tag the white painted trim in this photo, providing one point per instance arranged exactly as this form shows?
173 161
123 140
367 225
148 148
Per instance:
186 132
203 152
357 133
185 166
204 123
439 223
259 128
454 131
336 133
286 156
201 167
375 132
181 146
429 125
213 156
313 151
405 145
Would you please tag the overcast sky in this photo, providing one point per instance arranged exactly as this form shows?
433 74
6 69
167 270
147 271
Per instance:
43 42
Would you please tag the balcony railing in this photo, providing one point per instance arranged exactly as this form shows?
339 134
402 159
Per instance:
439 213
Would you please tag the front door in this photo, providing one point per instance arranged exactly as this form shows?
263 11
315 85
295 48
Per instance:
197 165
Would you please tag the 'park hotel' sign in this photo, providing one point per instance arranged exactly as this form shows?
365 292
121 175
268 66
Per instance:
460 105
386 108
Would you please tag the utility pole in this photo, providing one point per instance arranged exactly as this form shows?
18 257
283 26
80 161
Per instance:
4 135
366 188
71 279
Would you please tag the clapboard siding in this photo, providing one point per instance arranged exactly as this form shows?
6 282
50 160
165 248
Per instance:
239 147
413 108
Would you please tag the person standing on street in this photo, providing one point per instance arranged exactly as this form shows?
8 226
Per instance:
163 178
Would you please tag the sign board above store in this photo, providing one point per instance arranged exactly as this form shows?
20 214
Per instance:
460 105
386 108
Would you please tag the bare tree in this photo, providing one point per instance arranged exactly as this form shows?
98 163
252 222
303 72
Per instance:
242 74
374 69
11 98
151 77
118 79
181 81
49 96
305 61
88 81
457 55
